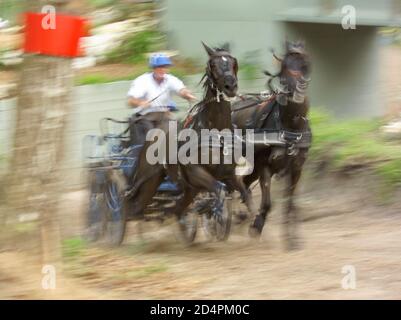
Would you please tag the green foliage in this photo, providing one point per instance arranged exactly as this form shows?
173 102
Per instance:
102 3
249 66
249 71
349 137
346 142
391 172
134 48
73 247
91 79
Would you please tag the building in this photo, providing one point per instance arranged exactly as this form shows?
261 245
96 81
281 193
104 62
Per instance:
345 62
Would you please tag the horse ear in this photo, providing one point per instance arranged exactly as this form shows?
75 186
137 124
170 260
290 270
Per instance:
301 44
209 50
226 47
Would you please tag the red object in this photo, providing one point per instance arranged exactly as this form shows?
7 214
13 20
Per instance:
62 41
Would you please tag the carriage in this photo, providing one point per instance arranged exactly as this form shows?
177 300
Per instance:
110 160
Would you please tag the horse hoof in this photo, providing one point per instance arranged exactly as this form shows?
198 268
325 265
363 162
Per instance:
254 232
259 223
241 217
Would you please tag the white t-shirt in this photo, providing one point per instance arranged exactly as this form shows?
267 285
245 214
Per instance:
145 87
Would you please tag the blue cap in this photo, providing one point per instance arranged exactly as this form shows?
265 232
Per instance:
158 60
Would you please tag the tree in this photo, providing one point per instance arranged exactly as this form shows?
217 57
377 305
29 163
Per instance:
34 179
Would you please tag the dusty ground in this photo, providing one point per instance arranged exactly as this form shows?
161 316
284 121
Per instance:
341 225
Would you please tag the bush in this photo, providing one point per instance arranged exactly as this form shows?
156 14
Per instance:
249 66
134 48
347 142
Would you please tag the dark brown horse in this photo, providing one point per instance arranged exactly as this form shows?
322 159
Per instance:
213 112
282 136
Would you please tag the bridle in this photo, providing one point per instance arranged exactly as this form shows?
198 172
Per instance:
210 80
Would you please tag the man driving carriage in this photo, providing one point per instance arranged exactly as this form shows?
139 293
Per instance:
151 96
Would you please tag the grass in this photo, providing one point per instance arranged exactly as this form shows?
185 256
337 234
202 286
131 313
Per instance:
73 248
102 3
91 79
391 172
351 142
180 71
88 262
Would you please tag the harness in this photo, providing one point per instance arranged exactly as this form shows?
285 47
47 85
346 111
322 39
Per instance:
267 126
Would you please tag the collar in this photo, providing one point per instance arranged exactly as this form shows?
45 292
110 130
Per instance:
159 82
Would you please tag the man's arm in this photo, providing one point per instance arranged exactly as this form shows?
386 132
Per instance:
135 102
186 94
137 93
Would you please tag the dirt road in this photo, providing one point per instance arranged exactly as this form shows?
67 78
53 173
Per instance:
340 227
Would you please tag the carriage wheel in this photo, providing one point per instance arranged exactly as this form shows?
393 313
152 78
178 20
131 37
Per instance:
218 227
115 221
188 227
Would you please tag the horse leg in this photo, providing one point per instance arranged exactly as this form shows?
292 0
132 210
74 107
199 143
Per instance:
182 205
144 196
246 196
256 228
290 213
200 179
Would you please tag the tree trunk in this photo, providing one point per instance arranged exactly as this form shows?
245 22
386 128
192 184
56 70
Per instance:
34 182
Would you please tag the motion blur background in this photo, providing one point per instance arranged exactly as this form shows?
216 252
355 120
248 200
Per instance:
349 196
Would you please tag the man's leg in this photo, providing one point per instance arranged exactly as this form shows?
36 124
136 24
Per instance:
142 125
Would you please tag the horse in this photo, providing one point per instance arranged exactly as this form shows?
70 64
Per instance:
212 112
282 119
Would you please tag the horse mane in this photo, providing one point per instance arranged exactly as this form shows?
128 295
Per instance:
204 80
197 109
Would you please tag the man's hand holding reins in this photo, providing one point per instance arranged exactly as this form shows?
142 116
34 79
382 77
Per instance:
186 94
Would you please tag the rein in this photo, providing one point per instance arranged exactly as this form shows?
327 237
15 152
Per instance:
209 83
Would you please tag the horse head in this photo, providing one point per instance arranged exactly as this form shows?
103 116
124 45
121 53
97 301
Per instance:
221 71
294 74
